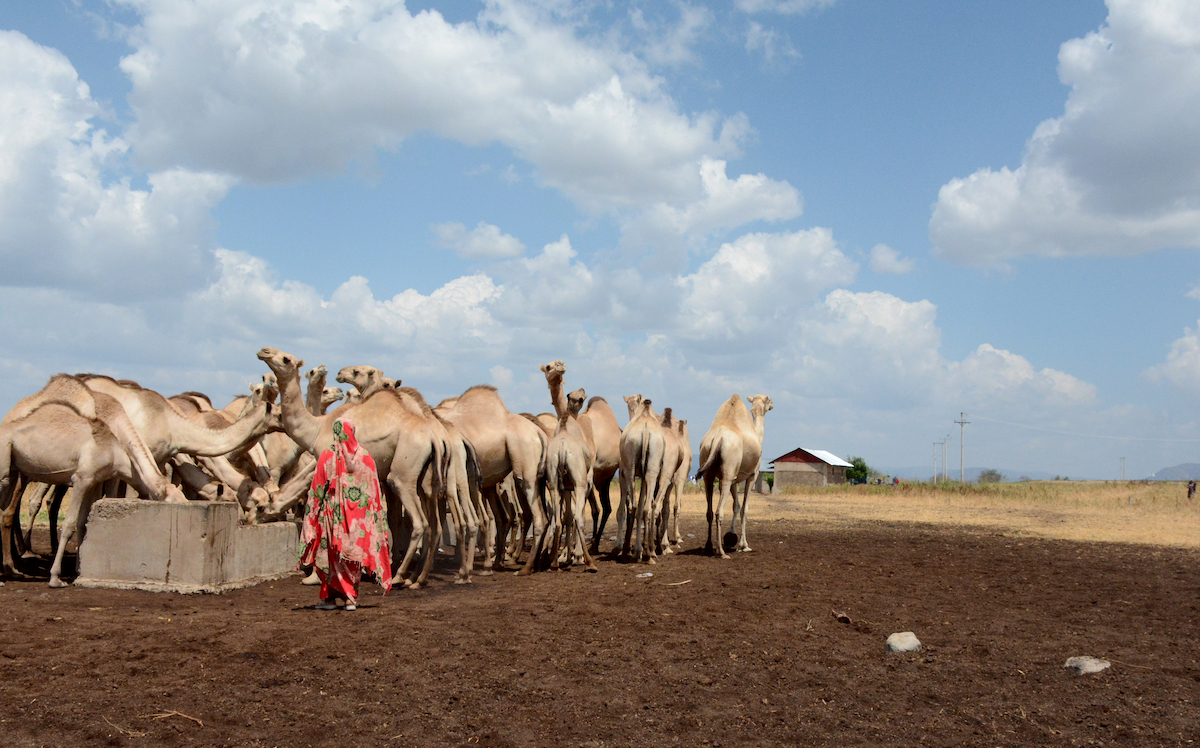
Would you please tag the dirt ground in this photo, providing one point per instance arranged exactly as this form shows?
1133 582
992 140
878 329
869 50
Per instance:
744 652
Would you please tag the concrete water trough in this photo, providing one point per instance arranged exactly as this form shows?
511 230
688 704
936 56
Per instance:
199 546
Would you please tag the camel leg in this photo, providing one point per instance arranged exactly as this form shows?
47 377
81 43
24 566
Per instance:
742 545
433 533
601 490
624 520
709 546
36 495
82 498
10 501
412 508
575 526
540 537
728 491
494 537
55 504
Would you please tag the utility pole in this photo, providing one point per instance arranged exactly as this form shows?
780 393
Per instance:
1122 469
962 422
935 456
945 468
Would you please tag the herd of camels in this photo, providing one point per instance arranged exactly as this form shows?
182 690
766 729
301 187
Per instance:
517 482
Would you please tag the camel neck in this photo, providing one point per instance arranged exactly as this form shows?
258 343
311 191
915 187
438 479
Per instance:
558 398
298 422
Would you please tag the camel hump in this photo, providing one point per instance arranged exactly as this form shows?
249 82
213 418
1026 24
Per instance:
425 409
596 399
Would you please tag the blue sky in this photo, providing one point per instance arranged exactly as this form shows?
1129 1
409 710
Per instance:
881 214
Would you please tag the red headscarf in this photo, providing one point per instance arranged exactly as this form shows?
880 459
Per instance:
346 513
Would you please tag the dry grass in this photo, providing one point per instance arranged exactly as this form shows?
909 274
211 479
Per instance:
1157 513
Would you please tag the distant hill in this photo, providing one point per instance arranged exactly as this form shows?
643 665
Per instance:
1186 471
972 473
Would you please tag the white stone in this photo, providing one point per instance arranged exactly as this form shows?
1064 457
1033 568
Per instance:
1086 665
904 641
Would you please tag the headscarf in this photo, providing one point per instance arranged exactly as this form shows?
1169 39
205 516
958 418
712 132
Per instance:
346 512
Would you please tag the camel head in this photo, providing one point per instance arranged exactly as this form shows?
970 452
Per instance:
361 377
331 395
554 371
317 371
282 365
635 404
760 404
575 401
390 384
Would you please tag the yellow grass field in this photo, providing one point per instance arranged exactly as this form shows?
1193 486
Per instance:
1156 513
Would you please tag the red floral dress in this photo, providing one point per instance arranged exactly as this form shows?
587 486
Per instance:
345 528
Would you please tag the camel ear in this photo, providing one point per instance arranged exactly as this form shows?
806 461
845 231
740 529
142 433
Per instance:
300 364
545 368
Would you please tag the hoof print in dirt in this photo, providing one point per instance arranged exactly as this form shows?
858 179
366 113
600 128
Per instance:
1086 665
903 641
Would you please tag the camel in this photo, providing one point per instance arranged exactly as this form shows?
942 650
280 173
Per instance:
730 452
505 443
168 433
56 444
569 458
411 456
642 449
601 422
72 391
678 482
462 495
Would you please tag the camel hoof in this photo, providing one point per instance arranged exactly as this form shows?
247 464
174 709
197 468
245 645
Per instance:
485 573
747 549
591 570
413 586
462 580
57 583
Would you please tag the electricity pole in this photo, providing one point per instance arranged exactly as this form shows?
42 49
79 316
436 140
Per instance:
945 469
935 456
962 422
1122 469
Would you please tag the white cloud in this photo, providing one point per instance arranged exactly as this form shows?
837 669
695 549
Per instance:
672 44
484 242
785 7
768 41
884 259
1118 173
66 223
1181 369
282 90
758 281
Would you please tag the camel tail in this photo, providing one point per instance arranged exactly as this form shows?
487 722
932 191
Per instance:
712 460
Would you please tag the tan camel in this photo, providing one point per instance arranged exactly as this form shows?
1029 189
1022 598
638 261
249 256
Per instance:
680 481
167 433
569 458
462 496
642 448
731 452
411 457
505 443
68 390
601 422
677 465
55 444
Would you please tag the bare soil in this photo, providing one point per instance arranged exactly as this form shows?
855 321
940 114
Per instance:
744 652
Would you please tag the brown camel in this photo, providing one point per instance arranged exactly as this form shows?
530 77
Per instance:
730 453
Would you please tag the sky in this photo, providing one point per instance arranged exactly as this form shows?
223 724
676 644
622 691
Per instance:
883 215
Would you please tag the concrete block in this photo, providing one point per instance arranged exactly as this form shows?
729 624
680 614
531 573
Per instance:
194 547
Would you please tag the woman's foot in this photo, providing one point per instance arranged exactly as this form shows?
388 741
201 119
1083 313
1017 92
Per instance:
327 605
350 606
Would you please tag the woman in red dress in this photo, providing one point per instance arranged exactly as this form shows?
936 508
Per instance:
345 528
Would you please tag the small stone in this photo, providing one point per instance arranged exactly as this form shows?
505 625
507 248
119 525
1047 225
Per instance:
904 641
644 575
1086 665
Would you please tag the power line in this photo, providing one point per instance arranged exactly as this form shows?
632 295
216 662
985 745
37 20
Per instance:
1076 433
